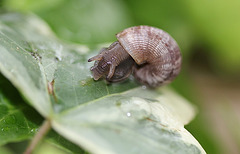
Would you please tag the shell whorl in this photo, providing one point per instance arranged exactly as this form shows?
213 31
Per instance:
155 51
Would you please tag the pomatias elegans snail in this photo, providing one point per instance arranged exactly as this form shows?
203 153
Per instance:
151 54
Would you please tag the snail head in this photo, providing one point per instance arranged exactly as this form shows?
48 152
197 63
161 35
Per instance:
100 67
113 63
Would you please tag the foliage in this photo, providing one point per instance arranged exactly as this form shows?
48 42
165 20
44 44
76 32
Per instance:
55 80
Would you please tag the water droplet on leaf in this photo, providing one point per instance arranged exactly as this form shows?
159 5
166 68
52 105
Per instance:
129 114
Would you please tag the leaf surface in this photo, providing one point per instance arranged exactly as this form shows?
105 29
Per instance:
18 121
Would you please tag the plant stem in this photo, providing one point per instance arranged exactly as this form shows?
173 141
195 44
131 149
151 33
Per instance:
46 126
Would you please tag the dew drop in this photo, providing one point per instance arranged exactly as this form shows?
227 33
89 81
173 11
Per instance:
34 130
5 129
129 114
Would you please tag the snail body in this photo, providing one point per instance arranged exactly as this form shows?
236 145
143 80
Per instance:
151 54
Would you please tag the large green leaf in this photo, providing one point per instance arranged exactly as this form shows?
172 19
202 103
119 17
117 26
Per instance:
136 121
120 118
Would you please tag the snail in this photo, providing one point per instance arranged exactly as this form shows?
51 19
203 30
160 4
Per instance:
149 53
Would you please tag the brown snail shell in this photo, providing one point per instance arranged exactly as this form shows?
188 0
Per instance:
150 53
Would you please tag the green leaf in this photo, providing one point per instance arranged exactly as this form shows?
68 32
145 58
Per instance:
20 66
118 118
81 21
136 121
18 121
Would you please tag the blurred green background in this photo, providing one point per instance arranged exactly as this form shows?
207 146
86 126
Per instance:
208 33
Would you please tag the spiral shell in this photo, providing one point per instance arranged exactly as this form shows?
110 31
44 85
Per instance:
155 51
150 53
